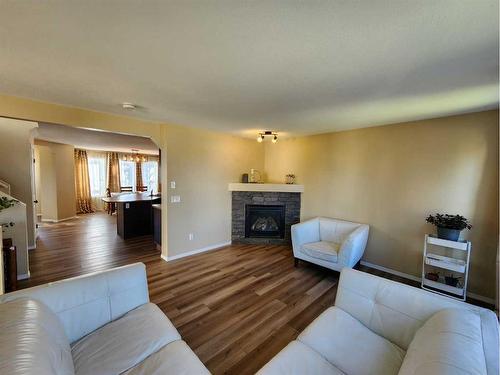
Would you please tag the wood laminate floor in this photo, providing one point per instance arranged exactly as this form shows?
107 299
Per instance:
235 307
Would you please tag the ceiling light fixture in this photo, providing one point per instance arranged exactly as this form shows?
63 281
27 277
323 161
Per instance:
268 133
129 106
134 156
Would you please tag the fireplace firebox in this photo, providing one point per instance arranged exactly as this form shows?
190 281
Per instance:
264 221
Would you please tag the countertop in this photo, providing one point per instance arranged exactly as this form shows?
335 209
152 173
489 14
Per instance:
130 197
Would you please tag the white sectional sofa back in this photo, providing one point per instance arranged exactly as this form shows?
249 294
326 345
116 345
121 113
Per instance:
84 304
390 309
396 311
378 326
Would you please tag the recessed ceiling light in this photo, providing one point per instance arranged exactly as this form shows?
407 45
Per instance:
129 106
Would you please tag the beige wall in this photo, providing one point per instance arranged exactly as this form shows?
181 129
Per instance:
207 160
57 180
27 109
65 174
392 177
202 163
16 164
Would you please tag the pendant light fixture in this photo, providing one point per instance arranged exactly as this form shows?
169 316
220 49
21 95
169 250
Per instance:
135 157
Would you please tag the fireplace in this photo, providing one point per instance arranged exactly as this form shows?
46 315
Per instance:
264 221
256 214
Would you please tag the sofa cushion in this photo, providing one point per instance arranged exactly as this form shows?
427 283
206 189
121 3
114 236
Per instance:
450 342
350 346
32 340
123 343
322 250
298 359
175 358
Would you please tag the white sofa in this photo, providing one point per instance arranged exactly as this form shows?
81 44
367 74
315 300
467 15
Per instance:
97 324
330 243
382 327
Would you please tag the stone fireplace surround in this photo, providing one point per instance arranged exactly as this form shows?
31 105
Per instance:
291 201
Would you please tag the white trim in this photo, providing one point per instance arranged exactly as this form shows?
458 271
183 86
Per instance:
194 252
285 188
391 271
24 276
32 247
478 297
59 220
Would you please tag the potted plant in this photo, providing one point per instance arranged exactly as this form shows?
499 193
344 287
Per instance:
6 203
449 226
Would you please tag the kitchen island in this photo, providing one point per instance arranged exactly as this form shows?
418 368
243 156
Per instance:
134 213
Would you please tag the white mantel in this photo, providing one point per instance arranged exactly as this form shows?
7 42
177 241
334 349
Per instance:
283 188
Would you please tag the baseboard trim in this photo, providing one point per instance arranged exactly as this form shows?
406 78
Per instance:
59 220
24 276
478 297
194 252
391 271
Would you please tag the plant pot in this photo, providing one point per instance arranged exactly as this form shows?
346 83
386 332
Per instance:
450 280
448 234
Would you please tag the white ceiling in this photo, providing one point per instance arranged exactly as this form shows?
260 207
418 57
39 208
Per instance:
299 67
95 140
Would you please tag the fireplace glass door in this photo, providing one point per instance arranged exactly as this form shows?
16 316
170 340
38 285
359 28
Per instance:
264 221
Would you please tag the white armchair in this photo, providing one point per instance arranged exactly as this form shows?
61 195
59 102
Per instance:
330 243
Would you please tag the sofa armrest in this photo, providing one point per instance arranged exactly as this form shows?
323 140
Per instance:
305 232
354 245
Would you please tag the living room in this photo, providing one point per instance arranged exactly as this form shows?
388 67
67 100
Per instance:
323 110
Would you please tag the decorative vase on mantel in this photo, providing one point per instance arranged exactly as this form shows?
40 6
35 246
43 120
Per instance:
290 179
255 176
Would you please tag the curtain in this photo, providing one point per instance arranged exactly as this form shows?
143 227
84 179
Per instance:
82 183
138 174
98 178
113 172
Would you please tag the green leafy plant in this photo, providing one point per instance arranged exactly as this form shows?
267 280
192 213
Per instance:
457 222
6 203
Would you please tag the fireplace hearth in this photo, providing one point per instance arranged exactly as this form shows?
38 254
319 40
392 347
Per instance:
264 221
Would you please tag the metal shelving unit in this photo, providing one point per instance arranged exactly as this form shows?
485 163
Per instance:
446 256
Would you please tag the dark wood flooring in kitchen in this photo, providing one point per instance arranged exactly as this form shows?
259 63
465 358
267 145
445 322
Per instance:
236 307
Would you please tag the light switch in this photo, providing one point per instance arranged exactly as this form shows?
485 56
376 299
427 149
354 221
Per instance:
175 199
172 184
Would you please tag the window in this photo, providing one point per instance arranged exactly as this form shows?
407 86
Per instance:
97 175
127 173
150 175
